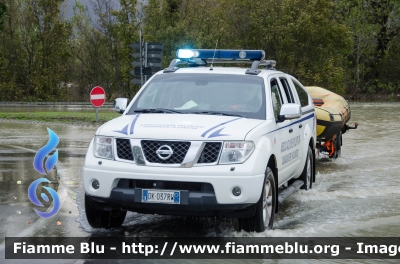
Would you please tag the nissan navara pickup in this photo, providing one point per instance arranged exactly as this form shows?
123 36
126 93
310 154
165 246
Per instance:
199 140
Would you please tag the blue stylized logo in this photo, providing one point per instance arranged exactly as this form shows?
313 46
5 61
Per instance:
49 165
217 132
44 151
130 131
32 196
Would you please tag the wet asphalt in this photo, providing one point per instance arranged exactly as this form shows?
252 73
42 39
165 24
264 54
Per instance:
355 195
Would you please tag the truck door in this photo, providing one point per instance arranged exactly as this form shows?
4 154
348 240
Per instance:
291 148
285 134
307 118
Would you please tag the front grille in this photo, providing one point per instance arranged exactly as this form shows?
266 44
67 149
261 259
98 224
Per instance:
179 151
124 150
165 185
210 153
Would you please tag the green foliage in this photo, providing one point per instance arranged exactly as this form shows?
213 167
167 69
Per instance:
101 48
126 31
63 117
34 51
3 12
349 46
303 36
375 28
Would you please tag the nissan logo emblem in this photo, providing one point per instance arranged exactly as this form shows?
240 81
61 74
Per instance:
164 152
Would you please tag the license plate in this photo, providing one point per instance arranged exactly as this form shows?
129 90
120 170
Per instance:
161 196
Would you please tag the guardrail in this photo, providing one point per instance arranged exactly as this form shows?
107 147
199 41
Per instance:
371 103
82 104
110 105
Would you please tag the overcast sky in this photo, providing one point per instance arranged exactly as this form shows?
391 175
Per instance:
69 4
69 12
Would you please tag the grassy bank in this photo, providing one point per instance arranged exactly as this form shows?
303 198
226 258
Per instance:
60 117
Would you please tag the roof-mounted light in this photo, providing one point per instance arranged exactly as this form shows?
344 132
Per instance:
209 54
186 54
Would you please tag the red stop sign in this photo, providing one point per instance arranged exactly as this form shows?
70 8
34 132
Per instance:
97 96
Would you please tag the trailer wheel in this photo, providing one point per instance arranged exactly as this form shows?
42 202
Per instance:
264 216
307 174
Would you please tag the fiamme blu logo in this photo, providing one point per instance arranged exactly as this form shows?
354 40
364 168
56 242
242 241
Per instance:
44 164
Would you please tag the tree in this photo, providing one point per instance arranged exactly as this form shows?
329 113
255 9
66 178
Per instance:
183 24
303 36
3 11
35 40
306 40
375 27
352 44
101 47
126 32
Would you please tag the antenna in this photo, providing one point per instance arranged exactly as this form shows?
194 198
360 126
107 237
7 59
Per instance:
211 67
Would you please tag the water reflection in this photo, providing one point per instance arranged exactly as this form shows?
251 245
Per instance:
51 108
355 195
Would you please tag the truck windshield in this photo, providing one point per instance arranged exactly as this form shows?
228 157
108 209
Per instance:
185 93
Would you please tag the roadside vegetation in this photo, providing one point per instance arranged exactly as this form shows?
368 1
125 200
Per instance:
60 117
351 47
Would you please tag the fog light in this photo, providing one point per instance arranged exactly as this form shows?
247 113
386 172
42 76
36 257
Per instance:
236 191
95 184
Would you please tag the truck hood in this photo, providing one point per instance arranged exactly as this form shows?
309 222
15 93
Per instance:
179 127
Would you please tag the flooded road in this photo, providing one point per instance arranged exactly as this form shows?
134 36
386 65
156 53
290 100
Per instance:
355 195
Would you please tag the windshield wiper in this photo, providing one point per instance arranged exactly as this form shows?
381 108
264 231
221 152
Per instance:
216 113
157 110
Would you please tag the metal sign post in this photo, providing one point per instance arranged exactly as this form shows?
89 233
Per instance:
141 57
97 98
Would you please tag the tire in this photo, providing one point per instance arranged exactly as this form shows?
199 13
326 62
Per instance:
307 175
102 219
264 215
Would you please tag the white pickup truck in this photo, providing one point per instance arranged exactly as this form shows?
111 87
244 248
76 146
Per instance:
204 141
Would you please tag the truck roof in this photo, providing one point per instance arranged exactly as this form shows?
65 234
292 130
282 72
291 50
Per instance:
220 70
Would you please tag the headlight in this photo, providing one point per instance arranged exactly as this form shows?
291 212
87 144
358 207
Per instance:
236 151
103 147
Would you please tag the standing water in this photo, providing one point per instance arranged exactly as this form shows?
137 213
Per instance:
357 194
354 195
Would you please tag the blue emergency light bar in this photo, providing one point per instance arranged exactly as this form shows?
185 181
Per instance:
209 54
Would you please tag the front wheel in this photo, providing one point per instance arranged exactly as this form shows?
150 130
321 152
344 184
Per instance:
307 174
102 219
264 216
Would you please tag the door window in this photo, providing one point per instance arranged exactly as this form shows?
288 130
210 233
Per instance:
303 95
287 90
276 98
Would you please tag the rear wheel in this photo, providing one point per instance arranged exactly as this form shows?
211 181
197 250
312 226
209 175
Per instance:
102 219
264 216
307 174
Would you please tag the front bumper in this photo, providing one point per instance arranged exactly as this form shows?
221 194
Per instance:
192 204
213 198
248 176
220 178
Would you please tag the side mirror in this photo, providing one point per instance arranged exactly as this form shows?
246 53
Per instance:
289 111
120 105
